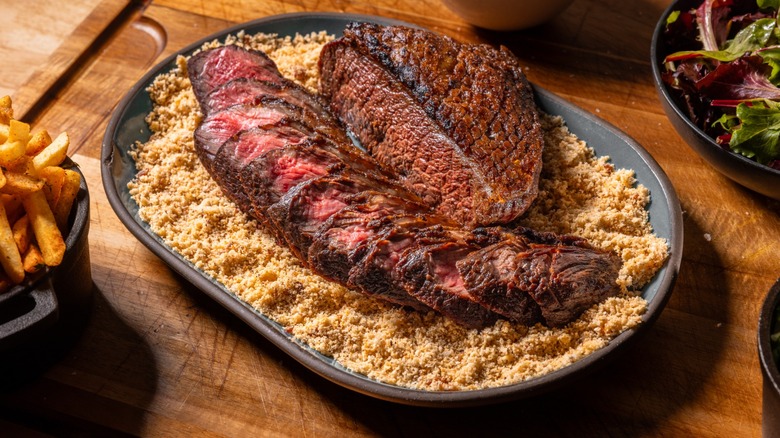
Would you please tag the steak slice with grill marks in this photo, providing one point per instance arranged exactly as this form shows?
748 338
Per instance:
241 149
531 277
428 271
272 174
475 94
345 246
301 211
219 127
396 131
488 275
210 69
251 91
566 280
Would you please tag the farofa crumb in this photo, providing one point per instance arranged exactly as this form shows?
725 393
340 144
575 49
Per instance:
579 194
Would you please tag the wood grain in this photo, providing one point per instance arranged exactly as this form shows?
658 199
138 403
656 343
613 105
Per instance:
157 357
31 32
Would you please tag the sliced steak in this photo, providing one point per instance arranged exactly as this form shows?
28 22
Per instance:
428 271
488 275
251 91
477 95
396 131
531 277
345 237
272 174
240 149
374 273
221 126
301 211
566 280
210 69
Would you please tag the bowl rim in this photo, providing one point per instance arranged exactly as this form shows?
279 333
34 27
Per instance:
655 57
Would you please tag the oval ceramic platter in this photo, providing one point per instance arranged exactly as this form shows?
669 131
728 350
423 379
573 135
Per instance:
128 126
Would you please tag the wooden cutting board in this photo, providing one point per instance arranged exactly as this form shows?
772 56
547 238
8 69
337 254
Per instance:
159 358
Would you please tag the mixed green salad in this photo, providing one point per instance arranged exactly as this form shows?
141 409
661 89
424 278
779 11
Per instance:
724 68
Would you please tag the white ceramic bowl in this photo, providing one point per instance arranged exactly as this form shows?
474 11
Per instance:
506 14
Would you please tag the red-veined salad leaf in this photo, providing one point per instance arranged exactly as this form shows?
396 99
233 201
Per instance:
752 38
746 78
712 19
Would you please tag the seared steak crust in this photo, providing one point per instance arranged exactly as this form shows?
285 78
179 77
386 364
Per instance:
477 95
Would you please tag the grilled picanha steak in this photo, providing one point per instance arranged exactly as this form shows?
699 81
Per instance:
276 151
456 121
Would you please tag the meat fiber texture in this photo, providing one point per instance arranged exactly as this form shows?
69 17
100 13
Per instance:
284 159
457 121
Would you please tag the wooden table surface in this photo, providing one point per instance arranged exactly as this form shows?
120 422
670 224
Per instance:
159 358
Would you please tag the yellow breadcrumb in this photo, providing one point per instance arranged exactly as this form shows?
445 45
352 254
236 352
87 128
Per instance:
579 194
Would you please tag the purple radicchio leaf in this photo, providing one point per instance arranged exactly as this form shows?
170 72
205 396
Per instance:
744 79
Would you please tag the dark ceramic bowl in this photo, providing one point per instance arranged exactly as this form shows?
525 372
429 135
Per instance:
742 170
56 299
770 422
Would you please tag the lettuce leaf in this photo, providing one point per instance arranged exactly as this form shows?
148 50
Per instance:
758 132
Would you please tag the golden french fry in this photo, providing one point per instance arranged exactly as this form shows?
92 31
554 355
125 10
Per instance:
45 229
38 142
22 236
10 258
6 111
18 131
70 188
13 206
53 178
20 184
53 154
11 153
32 260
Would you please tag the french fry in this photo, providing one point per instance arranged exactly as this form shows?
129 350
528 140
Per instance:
22 236
45 229
18 131
11 153
10 258
20 184
13 206
32 260
37 143
53 178
6 110
36 196
53 154
70 189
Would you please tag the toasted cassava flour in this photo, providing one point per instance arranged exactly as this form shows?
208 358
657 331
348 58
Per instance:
579 193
